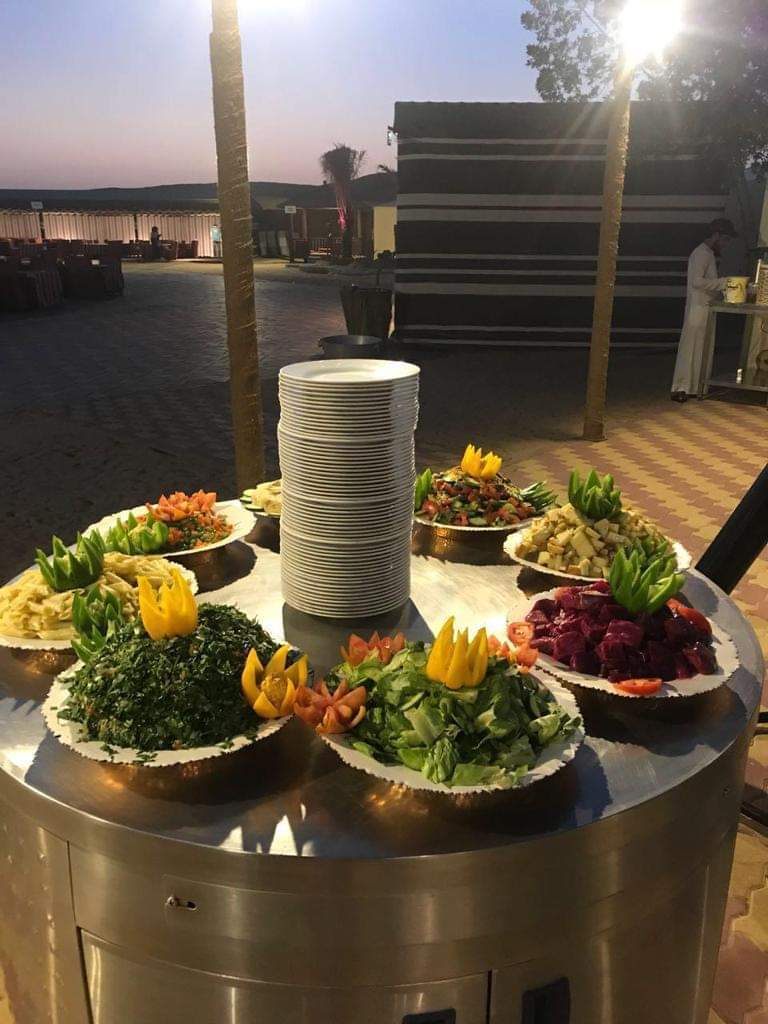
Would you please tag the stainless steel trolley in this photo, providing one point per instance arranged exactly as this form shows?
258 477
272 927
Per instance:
279 886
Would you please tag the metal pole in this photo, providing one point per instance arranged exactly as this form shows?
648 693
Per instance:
237 242
740 540
610 223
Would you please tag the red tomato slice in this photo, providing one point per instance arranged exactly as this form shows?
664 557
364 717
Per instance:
526 656
520 632
693 615
357 650
640 687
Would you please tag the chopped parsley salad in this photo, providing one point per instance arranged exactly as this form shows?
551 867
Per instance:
192 520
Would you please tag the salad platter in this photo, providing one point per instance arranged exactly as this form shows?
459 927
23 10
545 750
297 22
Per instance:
474 497
177 525
630 636
39 608
186 683
264 500
447 717
578 540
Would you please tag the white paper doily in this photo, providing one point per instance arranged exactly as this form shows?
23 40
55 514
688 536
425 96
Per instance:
507 528
551 759
725 652
235 513
24 643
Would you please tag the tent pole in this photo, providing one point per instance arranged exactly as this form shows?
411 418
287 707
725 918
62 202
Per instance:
610 224
237 243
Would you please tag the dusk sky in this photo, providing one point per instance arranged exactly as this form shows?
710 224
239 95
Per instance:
117 92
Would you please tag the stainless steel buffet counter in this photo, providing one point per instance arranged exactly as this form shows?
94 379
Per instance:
278 885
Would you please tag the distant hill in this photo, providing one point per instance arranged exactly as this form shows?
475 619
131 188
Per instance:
368 189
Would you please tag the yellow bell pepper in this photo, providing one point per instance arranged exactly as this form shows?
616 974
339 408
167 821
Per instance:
271 691
170 611
458 663
479 466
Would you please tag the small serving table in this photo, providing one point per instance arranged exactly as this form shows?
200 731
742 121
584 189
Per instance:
745 378
279 886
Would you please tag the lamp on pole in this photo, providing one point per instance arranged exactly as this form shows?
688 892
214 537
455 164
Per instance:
647 27
237 242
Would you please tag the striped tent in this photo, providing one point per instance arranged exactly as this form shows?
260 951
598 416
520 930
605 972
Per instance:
498 218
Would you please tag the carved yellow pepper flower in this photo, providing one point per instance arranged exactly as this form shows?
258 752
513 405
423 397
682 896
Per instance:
271 691
458 662
170 611
479 466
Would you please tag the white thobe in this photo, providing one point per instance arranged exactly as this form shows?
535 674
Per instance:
703 283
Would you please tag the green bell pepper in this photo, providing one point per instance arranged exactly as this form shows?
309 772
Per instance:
71 570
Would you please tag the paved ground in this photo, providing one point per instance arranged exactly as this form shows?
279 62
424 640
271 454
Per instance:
105 404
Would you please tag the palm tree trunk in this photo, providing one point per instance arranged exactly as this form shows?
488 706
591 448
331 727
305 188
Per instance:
347 234
237 243
610 224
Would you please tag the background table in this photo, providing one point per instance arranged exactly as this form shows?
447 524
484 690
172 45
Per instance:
746 378
278 885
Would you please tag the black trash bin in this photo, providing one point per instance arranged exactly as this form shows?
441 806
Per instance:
350 346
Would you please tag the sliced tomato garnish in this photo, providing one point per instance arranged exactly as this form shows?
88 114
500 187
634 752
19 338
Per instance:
356 651
639 687
384 647
520 632
526 656
693 615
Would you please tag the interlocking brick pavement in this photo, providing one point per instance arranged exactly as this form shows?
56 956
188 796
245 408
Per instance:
105 404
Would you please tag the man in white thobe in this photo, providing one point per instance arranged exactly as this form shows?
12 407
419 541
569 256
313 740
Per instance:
703 286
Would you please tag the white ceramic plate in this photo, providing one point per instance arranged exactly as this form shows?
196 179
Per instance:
343 591
357 443
33 644
683 561
727 661
331 468
361 610
348 371
551 759
234 511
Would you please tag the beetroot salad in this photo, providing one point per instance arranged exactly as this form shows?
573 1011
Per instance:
587 630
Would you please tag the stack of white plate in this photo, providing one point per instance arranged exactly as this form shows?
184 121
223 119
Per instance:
345 439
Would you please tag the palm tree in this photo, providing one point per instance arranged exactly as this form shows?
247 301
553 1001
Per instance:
340 166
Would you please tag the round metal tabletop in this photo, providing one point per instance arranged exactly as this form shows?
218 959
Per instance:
291 796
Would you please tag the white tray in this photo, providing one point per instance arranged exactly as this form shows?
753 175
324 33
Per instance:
683 561
34 644
725 651
234 511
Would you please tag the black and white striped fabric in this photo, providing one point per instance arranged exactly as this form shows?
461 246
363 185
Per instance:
498 217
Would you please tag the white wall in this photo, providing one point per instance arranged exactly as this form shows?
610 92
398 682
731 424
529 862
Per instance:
90 227
181 227
384 219
19 224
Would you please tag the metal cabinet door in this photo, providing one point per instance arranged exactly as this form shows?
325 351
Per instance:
654 967
124 987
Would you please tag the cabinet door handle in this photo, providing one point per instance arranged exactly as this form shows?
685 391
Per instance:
177 903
